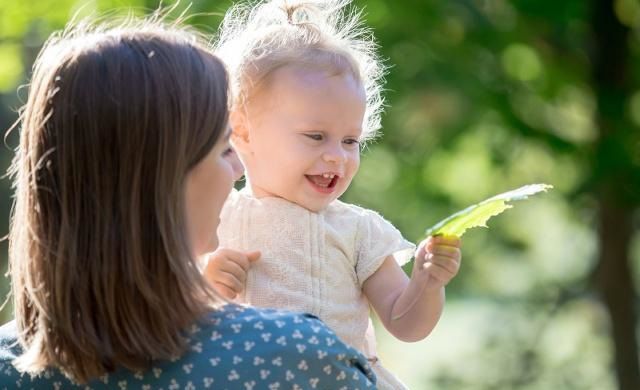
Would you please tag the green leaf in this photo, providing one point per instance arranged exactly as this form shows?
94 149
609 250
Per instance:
479 213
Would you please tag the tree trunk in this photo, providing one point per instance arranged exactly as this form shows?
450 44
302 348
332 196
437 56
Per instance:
611 168
617 289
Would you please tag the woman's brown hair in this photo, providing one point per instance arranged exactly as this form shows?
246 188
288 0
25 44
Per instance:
101 268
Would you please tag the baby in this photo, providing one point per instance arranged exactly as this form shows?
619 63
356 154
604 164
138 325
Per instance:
307 95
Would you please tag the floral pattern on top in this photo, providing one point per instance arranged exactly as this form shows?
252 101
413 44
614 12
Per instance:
235 347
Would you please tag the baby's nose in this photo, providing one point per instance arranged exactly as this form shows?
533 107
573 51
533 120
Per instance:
334 155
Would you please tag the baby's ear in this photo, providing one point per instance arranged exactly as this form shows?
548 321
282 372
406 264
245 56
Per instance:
239 130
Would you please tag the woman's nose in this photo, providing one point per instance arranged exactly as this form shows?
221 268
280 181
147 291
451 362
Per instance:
236 165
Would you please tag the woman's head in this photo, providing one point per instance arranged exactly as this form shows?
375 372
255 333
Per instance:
119 126
256 41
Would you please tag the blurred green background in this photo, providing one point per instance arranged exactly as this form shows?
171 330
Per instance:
483 96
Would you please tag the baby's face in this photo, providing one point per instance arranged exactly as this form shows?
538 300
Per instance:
304 129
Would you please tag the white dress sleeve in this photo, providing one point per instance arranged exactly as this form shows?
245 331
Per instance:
377 239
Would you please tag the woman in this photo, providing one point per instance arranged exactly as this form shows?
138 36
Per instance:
122 169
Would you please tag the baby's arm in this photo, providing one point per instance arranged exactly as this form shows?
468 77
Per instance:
410 308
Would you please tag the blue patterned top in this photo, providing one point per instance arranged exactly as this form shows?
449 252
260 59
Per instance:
234 348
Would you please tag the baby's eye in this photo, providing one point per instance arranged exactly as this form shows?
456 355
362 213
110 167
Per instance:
351 141
314 136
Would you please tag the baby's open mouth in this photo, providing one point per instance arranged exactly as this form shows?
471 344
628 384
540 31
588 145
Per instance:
326 180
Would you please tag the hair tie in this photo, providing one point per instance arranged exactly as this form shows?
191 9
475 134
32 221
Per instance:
297 15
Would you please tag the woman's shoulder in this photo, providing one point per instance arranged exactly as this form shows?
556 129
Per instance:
239 321
8 341
231 347
9 350
284 343
270 348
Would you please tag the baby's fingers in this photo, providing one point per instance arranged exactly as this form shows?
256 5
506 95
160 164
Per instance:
225 291
446 251
434 241
253 256
234 269
228 284
442 276
429 243
244 260
446 263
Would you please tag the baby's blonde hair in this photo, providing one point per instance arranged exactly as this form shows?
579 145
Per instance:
255 39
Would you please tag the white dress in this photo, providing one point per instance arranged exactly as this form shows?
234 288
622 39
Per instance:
314 262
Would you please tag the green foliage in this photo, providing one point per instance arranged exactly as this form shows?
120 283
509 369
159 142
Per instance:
10 66
481 94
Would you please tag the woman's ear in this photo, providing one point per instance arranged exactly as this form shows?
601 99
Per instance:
239 130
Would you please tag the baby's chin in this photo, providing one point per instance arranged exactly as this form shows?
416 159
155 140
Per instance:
315 208
315 205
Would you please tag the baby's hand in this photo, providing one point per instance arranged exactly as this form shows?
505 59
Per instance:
437 261
226 270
